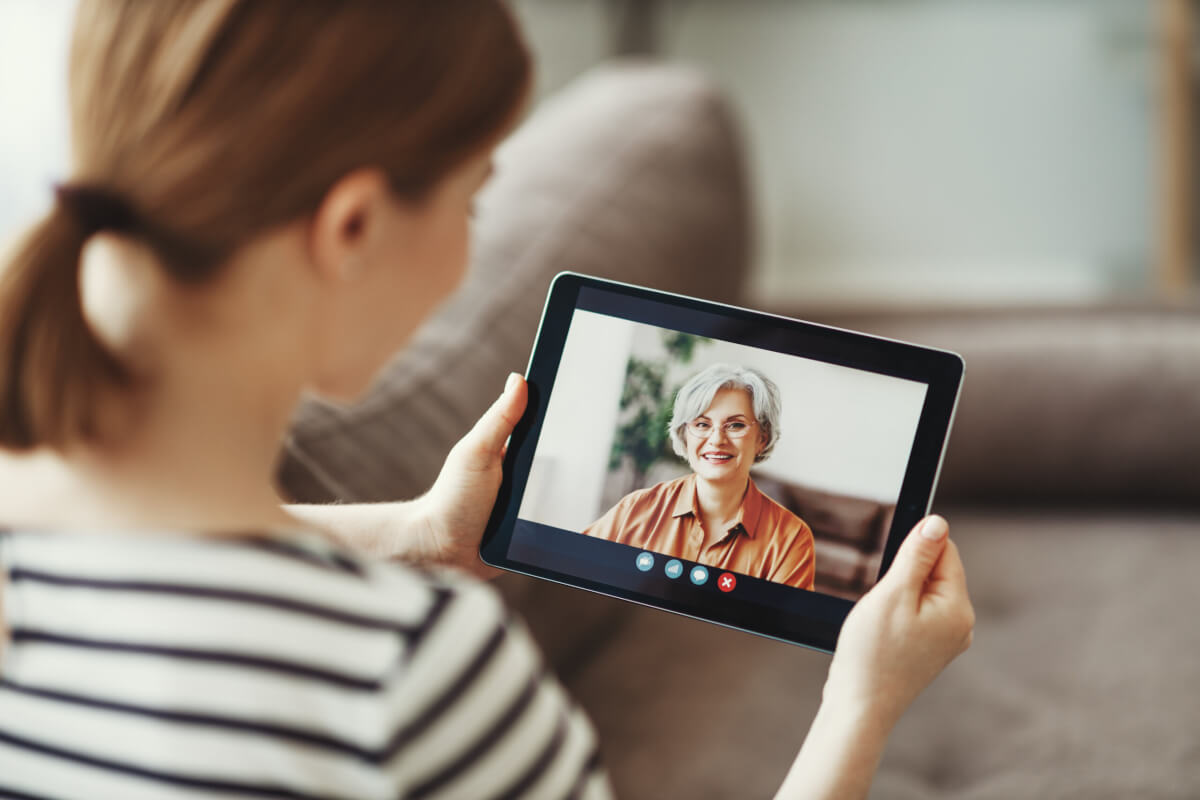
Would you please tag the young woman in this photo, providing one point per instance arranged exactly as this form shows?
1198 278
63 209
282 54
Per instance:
267 198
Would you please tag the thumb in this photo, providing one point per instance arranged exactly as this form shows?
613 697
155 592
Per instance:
919 553
486 438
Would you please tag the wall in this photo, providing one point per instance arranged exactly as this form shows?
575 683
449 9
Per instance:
567 475
976 150
34 38
922 150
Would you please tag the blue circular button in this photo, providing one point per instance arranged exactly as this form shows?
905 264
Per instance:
645 562
674 568
699 575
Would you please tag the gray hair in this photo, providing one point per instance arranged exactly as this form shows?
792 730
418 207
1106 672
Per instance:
695 396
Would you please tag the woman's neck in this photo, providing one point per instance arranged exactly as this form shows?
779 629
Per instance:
221 367
719 501
200 455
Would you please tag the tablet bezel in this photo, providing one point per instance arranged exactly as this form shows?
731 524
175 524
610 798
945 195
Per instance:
814 620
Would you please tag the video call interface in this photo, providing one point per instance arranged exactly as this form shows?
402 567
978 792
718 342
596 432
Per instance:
696 458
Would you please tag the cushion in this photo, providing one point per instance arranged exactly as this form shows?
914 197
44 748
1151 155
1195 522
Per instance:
1080 682
1065 405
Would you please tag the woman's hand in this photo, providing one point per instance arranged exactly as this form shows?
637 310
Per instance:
896 640
454 513
905 630
445 525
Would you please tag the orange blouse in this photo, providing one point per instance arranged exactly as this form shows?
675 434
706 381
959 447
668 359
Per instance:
765 540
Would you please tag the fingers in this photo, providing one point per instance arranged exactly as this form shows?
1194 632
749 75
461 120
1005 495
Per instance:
920 553
948 570
489 434
948 583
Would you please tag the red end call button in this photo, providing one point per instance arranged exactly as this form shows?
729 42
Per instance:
726 582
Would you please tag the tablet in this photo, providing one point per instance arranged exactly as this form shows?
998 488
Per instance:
743 468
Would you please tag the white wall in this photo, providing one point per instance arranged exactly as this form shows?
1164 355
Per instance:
567 474
34 148
928 149
844 431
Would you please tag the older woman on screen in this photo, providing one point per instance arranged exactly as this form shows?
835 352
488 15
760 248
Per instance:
725 420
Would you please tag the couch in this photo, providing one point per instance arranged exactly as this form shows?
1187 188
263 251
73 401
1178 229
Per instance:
1072 484
849 533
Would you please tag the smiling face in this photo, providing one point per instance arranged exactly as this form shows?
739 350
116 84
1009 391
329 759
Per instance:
718 457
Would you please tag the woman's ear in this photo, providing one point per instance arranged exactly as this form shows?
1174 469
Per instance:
343 226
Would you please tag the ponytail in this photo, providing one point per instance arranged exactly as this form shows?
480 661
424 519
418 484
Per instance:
217 121
52 367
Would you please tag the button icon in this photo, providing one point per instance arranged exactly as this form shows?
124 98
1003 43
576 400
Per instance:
645 562
699 575
726 582
674 568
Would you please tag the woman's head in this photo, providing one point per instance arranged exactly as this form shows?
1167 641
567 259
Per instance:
725 419
199 126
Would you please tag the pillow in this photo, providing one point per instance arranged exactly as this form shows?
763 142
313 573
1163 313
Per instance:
1060 406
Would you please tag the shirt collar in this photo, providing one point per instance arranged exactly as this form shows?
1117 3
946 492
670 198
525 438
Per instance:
748 513
685 501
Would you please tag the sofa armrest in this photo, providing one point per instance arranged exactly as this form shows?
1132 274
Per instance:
1099 405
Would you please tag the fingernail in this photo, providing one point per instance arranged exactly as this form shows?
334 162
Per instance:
934 528
511 382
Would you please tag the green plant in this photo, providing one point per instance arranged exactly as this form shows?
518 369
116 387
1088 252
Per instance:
642 439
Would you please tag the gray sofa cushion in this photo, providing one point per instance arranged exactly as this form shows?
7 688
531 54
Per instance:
1063 406
1080 682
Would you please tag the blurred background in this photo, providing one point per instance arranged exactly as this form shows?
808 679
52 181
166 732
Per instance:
914 151
936 150
1011 179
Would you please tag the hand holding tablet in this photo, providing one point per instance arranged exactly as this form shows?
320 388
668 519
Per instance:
913 622
685 431
922 598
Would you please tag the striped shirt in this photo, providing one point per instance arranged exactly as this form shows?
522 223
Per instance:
186 666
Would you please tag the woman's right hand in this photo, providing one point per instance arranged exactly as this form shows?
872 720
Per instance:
896 640
905 630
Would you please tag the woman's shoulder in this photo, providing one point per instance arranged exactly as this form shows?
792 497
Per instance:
297 573
782 519
417 599
304 605
393 665
441 615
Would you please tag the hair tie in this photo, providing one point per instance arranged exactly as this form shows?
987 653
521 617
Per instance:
97 209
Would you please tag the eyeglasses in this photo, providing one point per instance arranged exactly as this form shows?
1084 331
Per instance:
734 428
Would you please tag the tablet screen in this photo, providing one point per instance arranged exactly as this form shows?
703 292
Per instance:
737 467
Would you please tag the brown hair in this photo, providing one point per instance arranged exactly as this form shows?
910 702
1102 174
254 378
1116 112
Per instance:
197 124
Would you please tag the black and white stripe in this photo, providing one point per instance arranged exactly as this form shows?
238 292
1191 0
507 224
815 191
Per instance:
181 666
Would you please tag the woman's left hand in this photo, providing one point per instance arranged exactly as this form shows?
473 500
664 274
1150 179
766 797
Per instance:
454 513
